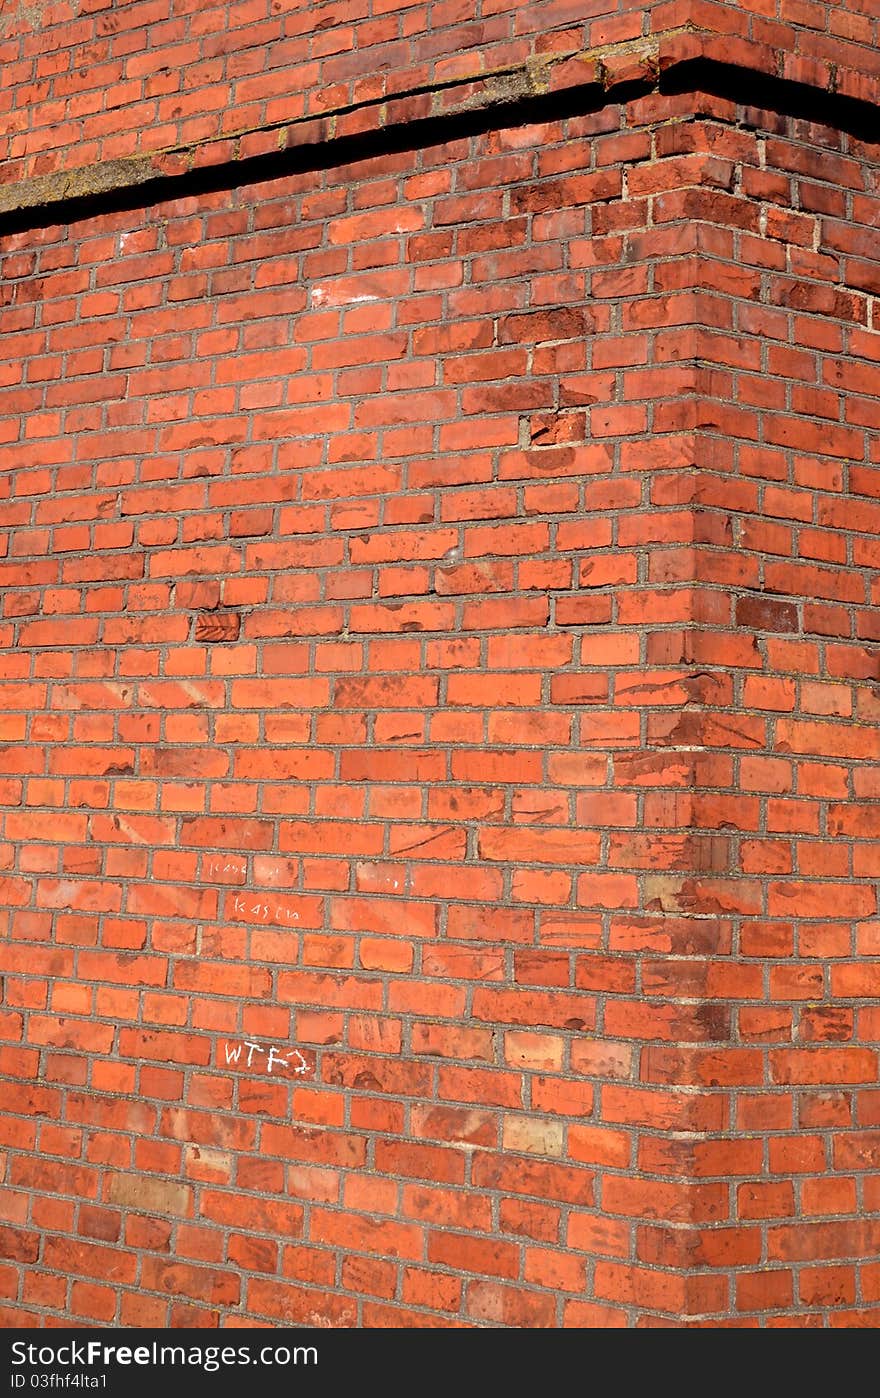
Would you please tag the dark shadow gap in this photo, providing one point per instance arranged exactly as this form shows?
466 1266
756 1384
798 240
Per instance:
337 151
748 89
758 92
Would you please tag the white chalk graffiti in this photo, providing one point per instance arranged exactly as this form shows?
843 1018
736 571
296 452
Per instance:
226 864
262 911
273 1058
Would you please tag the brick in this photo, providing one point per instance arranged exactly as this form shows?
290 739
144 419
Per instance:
149 1195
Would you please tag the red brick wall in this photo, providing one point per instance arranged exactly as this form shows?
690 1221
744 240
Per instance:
439 645
784 639
103 81
198 82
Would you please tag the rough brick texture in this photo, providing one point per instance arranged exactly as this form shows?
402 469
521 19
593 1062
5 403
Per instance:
171 84
440 836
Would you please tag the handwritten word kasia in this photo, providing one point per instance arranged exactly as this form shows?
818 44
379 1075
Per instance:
246 907
273 1058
